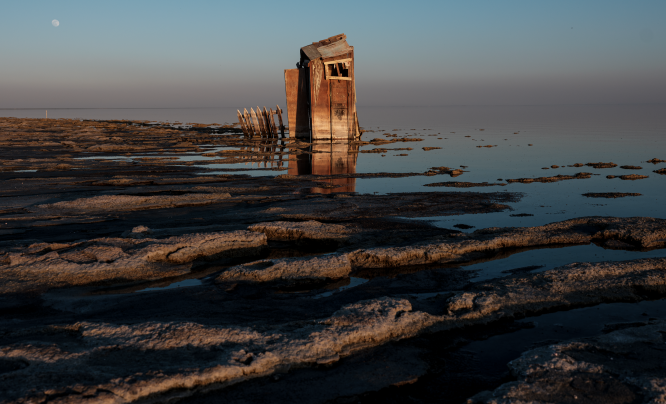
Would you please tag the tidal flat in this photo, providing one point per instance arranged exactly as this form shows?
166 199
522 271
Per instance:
175 262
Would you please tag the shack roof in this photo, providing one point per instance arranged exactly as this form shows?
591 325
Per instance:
326 48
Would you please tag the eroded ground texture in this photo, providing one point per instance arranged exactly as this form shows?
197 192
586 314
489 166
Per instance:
130 271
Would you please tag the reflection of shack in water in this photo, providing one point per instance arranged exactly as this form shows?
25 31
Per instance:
328 158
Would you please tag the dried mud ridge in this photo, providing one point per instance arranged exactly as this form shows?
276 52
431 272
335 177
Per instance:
631 177
609 195
92 360
296 292
459 184
559 177
623 366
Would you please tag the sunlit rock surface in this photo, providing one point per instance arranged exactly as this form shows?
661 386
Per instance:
308 230
125 363
46 265
289 269
624 366
638 232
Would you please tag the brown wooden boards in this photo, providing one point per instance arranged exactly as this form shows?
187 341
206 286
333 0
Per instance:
320 108
339 110
248 122
255 121
296 85
279 114
321 93
241 121
334 49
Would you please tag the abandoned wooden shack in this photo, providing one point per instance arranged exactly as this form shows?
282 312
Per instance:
321 92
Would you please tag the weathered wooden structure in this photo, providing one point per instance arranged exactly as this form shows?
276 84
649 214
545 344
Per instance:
261 123
321 92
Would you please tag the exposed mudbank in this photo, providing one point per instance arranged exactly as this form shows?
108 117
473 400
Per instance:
631 177
458 184
559 177
610 195
289 270
169 357
623 366
105 362
601 165
638 232
282 283
42 266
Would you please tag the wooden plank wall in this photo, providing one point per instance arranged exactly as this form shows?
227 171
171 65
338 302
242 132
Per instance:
298 114
320 107
326 123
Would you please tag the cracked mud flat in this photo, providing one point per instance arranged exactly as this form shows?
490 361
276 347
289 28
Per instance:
304 297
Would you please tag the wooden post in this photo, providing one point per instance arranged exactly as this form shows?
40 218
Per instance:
269 118
271 114
248 122
255 121
279 114
267 124
242 123
264 124
261 123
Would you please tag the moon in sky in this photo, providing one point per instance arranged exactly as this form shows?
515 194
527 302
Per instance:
55 23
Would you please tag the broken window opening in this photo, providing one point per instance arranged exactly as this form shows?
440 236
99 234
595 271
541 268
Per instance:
338 69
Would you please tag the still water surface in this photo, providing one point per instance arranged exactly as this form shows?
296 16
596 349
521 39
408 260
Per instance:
525 139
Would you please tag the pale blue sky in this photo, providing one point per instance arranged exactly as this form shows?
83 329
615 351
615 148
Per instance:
214 53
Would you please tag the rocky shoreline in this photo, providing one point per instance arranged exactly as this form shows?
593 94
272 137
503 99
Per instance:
310 297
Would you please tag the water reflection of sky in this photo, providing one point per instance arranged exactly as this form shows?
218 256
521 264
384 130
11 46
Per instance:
563 136
560 135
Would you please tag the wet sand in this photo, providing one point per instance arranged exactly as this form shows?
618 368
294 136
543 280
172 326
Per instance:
307 296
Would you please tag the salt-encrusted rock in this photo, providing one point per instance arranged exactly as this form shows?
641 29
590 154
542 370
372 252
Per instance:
645 232
92 362
138 232
624 366
640 232
290 269
42 265
573 285
307 230
110 203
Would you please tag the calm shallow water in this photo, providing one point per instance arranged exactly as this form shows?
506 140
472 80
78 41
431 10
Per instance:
559 135
526 139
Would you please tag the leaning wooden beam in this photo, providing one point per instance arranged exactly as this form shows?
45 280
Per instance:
262 124
255 121
240 122
267 126
243 123
269 130
279 114
272 120
269 120
248 122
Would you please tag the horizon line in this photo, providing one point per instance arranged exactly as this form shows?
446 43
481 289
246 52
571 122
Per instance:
369 106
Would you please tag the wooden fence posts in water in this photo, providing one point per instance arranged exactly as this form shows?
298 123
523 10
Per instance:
261 123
